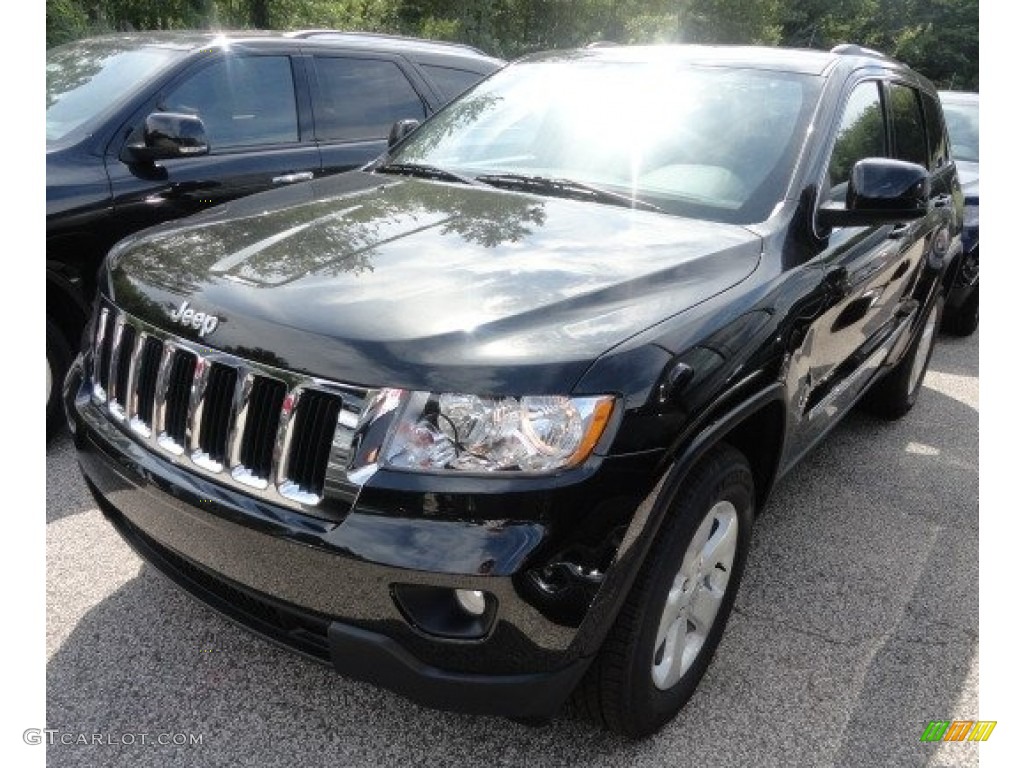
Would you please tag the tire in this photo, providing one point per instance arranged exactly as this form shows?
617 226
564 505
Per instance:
58 358
632 687
963 321
893 396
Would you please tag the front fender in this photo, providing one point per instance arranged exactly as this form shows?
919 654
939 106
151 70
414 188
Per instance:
652 511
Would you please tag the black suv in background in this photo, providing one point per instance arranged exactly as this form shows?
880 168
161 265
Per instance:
489 421
963 296
146 127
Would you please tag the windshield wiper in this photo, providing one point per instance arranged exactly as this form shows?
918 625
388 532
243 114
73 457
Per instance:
566 188
427 172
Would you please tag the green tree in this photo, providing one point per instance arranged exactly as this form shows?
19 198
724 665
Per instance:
937 37
730 21
65 20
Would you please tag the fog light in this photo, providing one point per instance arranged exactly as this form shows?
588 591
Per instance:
460 614
471 601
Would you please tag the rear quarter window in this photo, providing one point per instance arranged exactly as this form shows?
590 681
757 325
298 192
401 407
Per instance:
451 82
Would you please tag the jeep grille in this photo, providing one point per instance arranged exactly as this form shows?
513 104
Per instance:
271 433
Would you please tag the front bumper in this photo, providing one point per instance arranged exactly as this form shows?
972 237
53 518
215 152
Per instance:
327 589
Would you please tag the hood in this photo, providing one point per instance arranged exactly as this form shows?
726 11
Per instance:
381 281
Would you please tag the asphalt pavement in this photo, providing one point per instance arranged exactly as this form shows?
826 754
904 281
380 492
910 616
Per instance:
856 624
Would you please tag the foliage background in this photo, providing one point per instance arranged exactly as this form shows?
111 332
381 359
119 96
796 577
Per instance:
939 38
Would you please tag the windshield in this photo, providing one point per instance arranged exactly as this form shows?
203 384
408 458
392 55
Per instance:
706 142
88 79
962 123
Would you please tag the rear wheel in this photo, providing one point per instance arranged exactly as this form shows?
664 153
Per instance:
673 619
58 358
963 321
894 395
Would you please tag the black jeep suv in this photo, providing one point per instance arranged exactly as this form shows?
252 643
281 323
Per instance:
488 422
142 128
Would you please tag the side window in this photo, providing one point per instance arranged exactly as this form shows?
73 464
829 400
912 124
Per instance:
362 98
243 101
451 82
938 150
909 138
861 134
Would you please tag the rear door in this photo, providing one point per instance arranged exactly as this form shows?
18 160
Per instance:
356 100
910 143
941 221
251 105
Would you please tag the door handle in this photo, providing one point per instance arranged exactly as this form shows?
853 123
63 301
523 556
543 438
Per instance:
943 201
291 178
898 231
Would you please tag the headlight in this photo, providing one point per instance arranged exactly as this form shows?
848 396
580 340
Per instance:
470 433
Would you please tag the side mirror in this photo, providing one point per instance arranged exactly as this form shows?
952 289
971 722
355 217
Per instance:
400 130
166 135
880 191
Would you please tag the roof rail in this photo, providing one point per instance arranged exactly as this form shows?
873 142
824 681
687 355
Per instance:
308 34
852 49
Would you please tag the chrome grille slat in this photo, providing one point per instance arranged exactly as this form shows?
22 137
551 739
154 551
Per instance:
195 403
130 398
101 370
144 384
159 390
112 370
239 415
285 429
122 383
162 382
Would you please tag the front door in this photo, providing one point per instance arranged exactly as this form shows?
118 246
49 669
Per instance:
249 107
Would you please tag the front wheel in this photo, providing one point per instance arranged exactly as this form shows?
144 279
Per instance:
673 619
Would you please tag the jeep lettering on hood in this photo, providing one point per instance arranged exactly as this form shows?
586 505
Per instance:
200 321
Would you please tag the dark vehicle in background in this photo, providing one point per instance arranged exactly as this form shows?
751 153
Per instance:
488 421
146 127
962 301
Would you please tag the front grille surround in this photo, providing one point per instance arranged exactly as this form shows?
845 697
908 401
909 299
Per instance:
196 408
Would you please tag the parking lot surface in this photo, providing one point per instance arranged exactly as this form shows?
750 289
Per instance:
856 624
